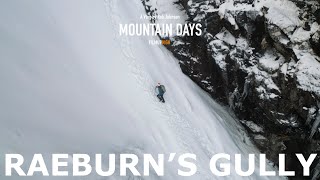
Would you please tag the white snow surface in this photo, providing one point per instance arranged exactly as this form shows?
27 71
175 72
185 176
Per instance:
308 72
301 35
269 61
282 13
168 12
70 84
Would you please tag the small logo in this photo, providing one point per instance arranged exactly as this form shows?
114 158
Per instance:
165 42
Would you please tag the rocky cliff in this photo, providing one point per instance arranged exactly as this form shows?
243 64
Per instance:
261 58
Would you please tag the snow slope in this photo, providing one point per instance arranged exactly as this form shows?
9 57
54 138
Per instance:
70 84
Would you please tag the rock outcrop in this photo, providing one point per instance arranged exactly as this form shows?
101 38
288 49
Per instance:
261 58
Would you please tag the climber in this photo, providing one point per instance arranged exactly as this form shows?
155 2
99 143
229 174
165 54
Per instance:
160 90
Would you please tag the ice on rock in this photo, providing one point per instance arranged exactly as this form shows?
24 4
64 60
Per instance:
252 126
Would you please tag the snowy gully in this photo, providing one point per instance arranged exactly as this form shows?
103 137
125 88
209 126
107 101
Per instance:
105 165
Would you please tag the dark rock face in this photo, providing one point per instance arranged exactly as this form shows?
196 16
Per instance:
267 72
315 42
317 15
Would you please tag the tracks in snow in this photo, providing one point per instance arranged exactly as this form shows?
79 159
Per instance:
181 126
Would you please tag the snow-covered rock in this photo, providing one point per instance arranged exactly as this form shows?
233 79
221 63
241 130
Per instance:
260 57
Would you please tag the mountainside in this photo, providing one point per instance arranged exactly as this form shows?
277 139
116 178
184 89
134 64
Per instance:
261 58
71 84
